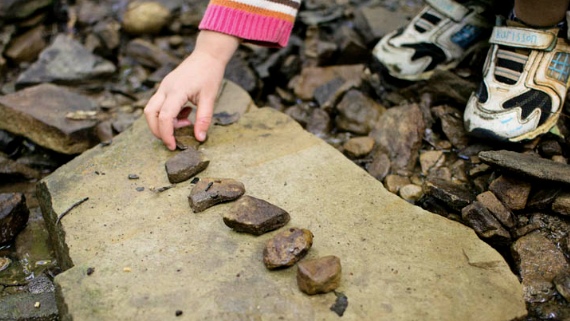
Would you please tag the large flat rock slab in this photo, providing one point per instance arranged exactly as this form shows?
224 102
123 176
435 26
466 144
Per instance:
149 255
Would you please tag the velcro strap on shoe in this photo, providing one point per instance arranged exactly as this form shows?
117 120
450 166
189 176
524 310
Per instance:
449 8
523 38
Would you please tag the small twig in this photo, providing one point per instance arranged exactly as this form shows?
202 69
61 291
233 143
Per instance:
69 209
162 189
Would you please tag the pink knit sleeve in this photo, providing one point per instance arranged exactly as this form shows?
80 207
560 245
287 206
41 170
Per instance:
267 22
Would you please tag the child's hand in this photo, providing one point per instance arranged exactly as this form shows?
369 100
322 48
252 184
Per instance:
197 79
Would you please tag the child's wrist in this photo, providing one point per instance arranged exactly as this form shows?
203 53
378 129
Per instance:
218 45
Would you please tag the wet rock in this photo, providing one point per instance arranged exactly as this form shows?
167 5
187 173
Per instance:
12 171
22 306
319 275
358 113
41 284
399 131
65 61
380 165
27 47
512 192
148 54
311 78
255 216
539 261
431 160
287 248
4 263
562 283
46 123
33 246
528 164
358 147
452 125
492 203
561 204
184 165
411 192
484 223
13 215
211 191
394 182
455 196
19 9
145 17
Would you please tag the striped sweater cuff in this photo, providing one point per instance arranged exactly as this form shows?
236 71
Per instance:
249 26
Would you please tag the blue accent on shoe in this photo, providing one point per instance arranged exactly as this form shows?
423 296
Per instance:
506 120
467 36
560 67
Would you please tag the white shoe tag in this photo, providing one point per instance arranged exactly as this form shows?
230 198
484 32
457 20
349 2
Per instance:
523 38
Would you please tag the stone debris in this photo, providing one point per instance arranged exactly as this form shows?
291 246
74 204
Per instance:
411 192
455 195
513 192
539 262
14 214
66 61
358 147
358 113
211 191
184 165
500 211
287 248
321 275
484 223
528 164
400 131
561 204
340 304
255 216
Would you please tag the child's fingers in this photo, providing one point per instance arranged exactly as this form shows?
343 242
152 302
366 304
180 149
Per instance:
151 111
167 119
182 118
204 116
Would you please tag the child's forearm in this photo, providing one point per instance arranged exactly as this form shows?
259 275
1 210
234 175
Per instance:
218 46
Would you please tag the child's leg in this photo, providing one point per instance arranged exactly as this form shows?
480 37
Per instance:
526 75
544 13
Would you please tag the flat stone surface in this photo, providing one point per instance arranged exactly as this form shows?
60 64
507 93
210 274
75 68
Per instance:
528 165
399 261
45 123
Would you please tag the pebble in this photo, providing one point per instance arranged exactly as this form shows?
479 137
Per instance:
184 165
255 216
287 248
211 191
321 275
4 263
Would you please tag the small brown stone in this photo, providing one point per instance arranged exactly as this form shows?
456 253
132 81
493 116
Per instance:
287 248
255 216
358 146
320 275
492 203
211 191
561 204
184 165
512 192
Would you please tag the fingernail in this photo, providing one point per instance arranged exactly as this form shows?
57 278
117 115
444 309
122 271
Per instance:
201 136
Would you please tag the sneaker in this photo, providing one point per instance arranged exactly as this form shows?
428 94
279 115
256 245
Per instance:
525 79
439 37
